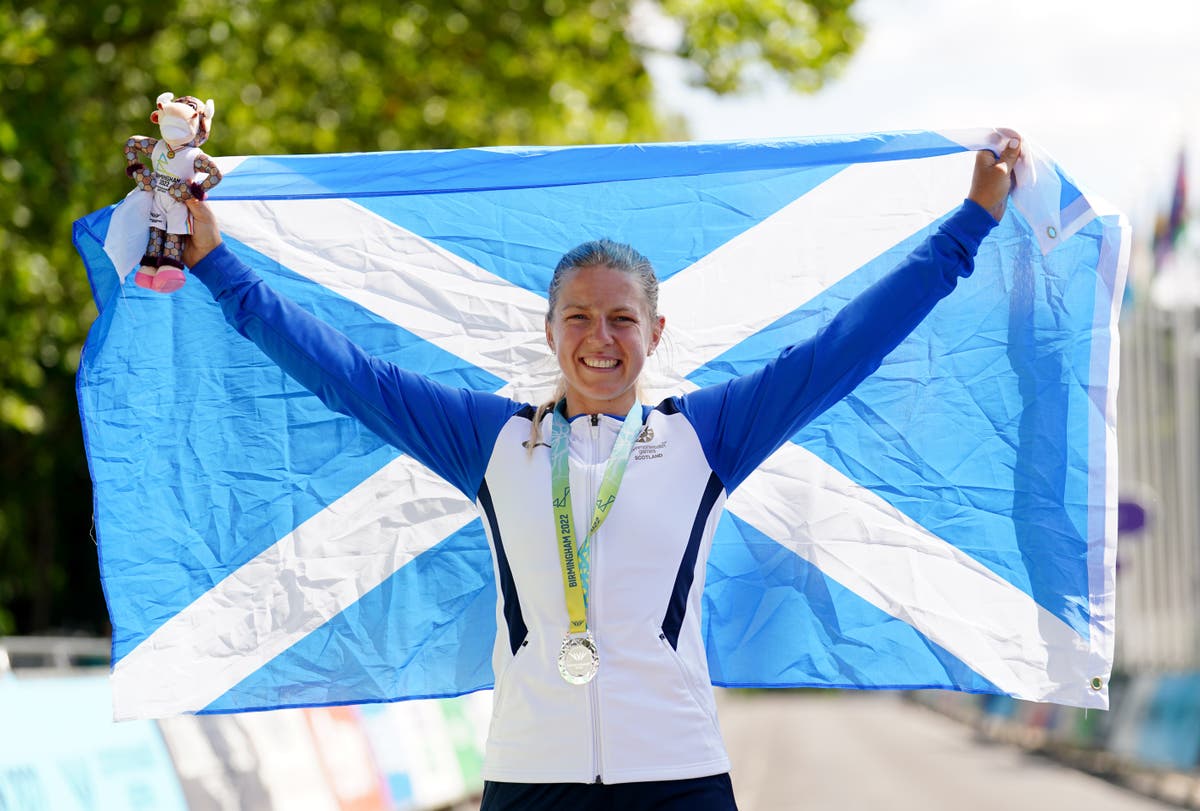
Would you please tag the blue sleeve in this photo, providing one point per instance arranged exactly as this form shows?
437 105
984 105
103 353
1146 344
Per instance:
743 421
448 429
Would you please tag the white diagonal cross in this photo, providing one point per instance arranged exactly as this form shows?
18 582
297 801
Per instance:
724 298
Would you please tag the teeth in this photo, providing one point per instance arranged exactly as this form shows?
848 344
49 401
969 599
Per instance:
596 363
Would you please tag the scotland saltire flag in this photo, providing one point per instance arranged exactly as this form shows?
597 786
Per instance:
950 524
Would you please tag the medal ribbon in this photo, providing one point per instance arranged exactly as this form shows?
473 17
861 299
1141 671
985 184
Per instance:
576 561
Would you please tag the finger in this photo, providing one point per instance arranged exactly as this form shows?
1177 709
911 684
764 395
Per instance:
1001 161
1006 132
1011 150
989 164
198 207
1007 145
201 212
1009 155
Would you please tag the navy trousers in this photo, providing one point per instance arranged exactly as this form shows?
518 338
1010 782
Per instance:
713 793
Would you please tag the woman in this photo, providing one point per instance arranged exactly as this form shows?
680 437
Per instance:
600 510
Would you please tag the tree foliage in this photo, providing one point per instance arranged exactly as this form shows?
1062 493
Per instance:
730 43
299 76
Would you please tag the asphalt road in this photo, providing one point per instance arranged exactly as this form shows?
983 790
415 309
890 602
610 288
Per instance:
815 751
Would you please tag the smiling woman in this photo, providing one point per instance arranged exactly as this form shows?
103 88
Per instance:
600 511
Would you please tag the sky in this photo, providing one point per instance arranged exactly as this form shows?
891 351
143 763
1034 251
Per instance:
1109 88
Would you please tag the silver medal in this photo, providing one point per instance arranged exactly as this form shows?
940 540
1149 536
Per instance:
578 659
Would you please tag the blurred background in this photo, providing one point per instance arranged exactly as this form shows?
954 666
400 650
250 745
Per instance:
1108 89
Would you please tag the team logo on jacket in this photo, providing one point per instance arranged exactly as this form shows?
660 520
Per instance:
647 435
646 450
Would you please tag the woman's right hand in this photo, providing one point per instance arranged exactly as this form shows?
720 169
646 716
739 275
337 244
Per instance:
206 235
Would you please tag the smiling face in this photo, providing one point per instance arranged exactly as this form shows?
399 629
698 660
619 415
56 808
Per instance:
601 330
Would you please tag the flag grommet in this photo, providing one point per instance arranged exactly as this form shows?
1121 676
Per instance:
1097 683
1051 231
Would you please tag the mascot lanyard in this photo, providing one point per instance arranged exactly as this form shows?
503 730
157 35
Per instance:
578 660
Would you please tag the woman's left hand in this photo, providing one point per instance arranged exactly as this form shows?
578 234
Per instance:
206 234
993 178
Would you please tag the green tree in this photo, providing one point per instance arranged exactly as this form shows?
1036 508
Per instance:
299 76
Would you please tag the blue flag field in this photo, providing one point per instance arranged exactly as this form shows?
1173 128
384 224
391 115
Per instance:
950 524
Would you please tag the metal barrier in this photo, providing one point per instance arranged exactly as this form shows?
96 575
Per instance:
1158 430
55 653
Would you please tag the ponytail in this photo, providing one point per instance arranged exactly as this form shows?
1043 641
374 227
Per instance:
535 430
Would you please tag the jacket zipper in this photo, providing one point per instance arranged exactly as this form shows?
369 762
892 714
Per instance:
593 691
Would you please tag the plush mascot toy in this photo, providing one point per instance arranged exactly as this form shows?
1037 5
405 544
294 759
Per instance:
175 162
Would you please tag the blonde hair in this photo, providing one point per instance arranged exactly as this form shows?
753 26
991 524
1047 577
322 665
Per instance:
597 253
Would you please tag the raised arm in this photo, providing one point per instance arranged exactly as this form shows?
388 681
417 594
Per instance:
450 430
744 420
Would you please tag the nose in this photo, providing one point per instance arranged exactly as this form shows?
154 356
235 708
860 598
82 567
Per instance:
600 331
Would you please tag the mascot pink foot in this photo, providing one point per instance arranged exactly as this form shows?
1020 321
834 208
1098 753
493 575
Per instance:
176 162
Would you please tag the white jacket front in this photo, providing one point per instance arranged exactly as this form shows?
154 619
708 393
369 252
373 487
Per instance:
649 712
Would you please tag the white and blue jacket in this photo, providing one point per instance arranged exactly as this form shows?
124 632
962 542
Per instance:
649 713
